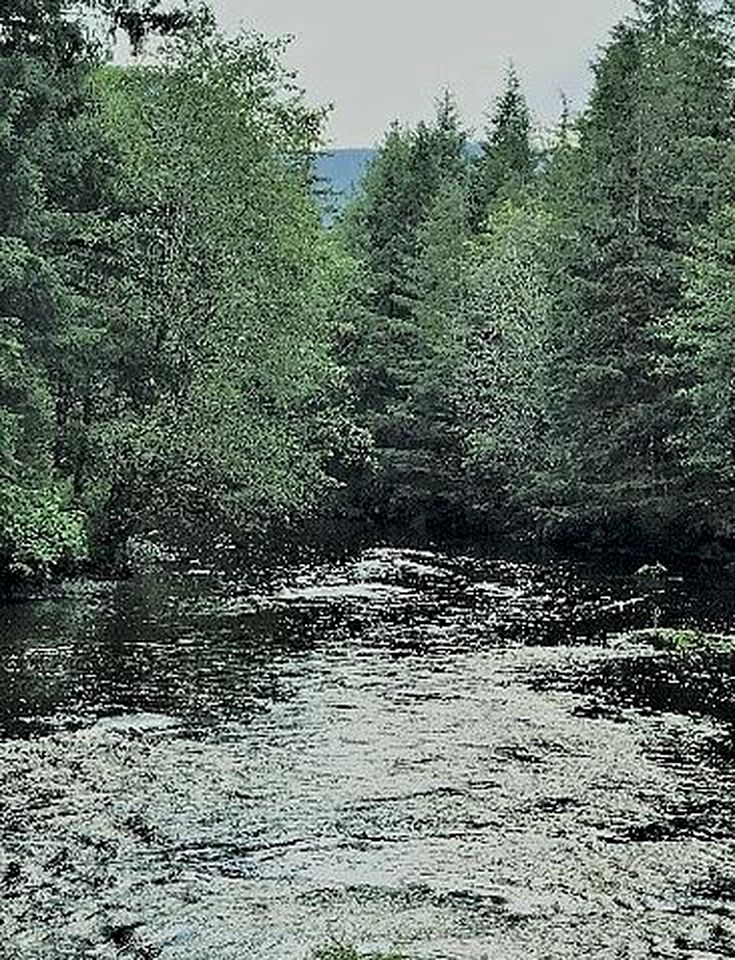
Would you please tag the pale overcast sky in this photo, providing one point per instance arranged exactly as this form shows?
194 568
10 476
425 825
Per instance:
379 60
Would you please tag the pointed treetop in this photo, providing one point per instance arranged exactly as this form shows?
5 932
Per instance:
563 132
447 111
507 159
511 116
449 134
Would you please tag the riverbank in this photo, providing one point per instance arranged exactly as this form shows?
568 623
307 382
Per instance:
334 535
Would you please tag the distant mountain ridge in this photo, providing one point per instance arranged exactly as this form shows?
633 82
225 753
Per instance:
342 170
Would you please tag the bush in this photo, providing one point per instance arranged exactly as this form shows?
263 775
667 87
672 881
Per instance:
38 530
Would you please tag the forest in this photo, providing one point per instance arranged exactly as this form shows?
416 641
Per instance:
533 337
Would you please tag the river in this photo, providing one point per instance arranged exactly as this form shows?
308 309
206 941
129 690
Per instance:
442 752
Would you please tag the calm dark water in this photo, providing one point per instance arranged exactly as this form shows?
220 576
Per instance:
438 752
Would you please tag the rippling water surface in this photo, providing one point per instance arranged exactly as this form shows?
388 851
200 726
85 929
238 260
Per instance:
437 752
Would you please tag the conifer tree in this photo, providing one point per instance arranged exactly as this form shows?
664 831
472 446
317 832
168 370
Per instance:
703 337
422 449
507 161
653 144
386 229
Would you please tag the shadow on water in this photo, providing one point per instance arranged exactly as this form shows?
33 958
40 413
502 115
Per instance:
158 644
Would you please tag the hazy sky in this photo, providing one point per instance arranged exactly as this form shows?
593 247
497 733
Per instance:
379 60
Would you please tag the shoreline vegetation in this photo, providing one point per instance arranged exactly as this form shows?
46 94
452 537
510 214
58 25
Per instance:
676 640
350 953
531 338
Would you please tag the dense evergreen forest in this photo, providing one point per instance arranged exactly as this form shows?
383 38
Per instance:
534 337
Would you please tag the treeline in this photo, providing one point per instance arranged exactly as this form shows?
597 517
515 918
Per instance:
544 333
537 336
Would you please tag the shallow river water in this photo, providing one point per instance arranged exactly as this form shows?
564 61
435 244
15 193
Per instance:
437 752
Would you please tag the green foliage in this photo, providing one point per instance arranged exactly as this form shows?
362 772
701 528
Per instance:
653 161
222 396
383 223
170 298
520 335
38 530
507 375
49 171
426 358
350 953
407 227
678 640
702 338
550 333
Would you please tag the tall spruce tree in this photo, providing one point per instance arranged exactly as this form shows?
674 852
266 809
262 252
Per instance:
651 167
507 158
386 229
422 455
